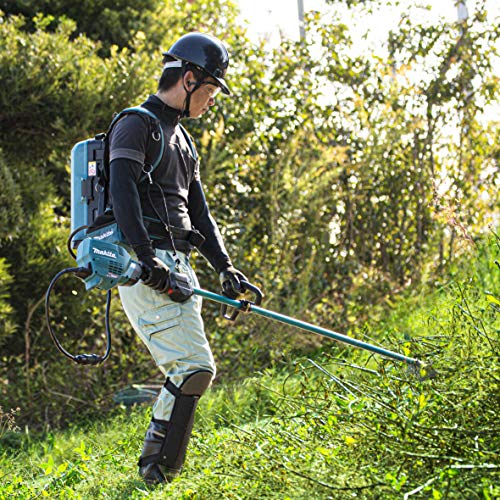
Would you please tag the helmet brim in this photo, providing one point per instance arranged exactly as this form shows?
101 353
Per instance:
223 85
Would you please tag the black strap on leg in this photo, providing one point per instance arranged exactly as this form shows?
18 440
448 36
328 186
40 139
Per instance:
173 449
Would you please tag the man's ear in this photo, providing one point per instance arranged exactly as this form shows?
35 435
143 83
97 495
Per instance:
189 79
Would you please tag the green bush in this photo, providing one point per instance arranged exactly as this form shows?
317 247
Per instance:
109 22
332 208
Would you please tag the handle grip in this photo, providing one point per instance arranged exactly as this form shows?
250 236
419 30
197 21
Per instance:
245 305
255 290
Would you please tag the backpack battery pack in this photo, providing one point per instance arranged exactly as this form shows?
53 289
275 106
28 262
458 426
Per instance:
87 195
89 182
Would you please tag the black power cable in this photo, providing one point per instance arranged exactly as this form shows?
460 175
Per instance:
82 359
80 272
70 239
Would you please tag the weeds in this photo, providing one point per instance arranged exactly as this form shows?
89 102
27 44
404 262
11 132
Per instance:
341 424
8 421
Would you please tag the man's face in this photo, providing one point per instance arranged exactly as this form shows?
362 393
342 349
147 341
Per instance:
203 97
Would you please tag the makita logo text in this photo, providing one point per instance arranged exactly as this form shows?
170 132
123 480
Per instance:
103 235
105 253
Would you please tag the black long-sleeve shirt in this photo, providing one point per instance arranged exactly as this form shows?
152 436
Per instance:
176 182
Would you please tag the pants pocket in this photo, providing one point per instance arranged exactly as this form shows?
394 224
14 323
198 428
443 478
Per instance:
163 334
162 318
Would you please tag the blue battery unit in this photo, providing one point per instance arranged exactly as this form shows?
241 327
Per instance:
87 196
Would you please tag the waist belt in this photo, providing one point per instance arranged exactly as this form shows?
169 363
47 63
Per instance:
184 239
181 245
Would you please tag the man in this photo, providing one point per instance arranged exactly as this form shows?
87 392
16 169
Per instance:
163 218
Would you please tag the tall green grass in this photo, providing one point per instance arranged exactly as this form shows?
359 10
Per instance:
340 424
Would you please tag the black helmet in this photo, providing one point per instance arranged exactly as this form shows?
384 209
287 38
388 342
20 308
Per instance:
204 51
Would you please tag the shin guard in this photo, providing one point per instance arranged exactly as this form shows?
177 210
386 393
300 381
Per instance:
168 441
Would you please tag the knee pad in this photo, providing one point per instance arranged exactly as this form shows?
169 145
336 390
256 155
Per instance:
172 452
195 384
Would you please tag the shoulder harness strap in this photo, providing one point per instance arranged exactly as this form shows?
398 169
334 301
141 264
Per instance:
144 111
189 141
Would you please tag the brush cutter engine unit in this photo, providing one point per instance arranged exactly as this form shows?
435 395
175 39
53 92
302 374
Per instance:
105 265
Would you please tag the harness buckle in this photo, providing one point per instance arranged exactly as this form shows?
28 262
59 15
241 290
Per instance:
148 172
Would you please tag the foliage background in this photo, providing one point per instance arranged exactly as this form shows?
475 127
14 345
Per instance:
331 206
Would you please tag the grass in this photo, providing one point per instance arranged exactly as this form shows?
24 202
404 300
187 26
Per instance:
340 424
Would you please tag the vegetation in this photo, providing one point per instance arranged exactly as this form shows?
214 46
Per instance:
336 424
358 189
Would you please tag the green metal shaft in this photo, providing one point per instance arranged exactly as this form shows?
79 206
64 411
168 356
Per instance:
237 304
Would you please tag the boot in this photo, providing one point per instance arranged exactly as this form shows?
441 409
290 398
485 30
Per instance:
155 473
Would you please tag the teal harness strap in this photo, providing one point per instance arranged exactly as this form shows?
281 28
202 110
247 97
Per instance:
144 111
189 141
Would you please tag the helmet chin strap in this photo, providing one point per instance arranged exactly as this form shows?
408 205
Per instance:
186 112
187 101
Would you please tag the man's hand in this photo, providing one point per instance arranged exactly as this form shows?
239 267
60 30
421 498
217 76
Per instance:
157 274
230 280
179 287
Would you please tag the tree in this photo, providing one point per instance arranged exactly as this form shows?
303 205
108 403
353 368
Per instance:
111 22
326 172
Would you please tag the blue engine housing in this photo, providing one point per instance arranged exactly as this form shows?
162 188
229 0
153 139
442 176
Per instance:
109 264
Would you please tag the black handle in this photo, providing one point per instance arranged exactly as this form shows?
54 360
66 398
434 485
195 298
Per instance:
245 304
255 290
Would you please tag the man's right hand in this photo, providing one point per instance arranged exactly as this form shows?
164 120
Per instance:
156 274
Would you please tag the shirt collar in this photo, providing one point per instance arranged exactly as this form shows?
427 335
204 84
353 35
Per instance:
163 111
